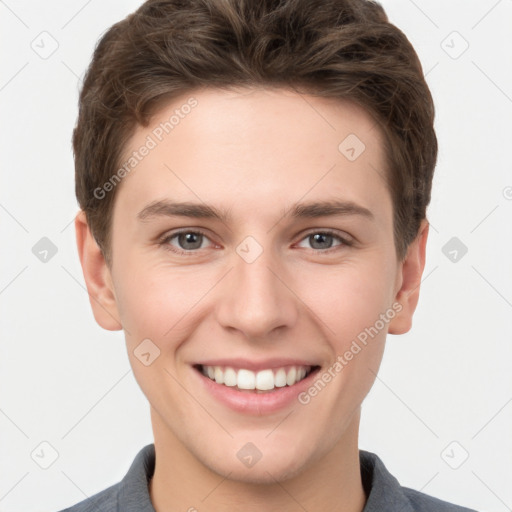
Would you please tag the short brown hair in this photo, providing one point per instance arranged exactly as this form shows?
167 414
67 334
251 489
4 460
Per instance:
344 49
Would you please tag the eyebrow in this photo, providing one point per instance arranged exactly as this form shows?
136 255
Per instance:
167 208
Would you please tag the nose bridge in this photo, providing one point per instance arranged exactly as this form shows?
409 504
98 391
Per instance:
256 301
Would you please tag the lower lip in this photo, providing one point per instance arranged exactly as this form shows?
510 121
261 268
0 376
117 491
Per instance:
259 404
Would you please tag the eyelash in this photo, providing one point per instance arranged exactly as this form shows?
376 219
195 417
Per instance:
164 242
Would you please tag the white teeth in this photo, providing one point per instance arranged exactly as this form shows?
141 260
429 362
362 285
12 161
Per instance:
264 380
230 377
246 379
219 375
291 377
280 378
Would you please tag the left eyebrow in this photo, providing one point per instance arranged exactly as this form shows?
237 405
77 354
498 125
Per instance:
167 208
327 209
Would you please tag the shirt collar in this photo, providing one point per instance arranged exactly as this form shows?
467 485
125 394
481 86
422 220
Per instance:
384 493
134 490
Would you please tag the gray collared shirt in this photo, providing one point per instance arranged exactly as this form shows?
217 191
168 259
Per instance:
384 492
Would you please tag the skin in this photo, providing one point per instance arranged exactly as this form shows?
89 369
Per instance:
254 152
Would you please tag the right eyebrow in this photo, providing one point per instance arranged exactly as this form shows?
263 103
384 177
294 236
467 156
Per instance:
166 208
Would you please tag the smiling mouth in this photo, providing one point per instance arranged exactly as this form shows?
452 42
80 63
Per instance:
263 381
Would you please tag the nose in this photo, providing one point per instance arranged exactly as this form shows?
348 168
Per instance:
257 299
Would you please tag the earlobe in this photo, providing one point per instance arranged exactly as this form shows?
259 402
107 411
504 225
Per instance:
411 270
97 277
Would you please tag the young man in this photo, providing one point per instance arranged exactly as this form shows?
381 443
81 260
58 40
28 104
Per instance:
253 178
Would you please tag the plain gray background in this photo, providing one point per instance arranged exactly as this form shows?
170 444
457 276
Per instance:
440 413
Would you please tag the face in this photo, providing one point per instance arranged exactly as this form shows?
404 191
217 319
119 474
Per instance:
280 264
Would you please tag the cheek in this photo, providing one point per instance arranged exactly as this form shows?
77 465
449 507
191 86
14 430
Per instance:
347 299
351 307
158 302
158 316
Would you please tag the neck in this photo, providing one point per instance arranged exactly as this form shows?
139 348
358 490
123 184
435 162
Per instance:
182 482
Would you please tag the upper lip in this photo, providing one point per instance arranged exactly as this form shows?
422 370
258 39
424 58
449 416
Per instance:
251 364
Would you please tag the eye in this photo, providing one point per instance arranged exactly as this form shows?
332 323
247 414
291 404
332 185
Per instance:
322 241
188 241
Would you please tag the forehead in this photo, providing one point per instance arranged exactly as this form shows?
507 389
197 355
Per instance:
257 148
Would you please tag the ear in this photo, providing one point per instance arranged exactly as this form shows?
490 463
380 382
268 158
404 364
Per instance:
97 277
409 277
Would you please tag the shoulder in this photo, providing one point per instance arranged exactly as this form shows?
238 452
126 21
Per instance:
385 494
424 503
106 501
131 494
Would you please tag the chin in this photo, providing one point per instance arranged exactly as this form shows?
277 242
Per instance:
264 472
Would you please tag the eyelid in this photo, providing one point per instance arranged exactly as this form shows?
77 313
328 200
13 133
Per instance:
166 237
345 237
346 240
